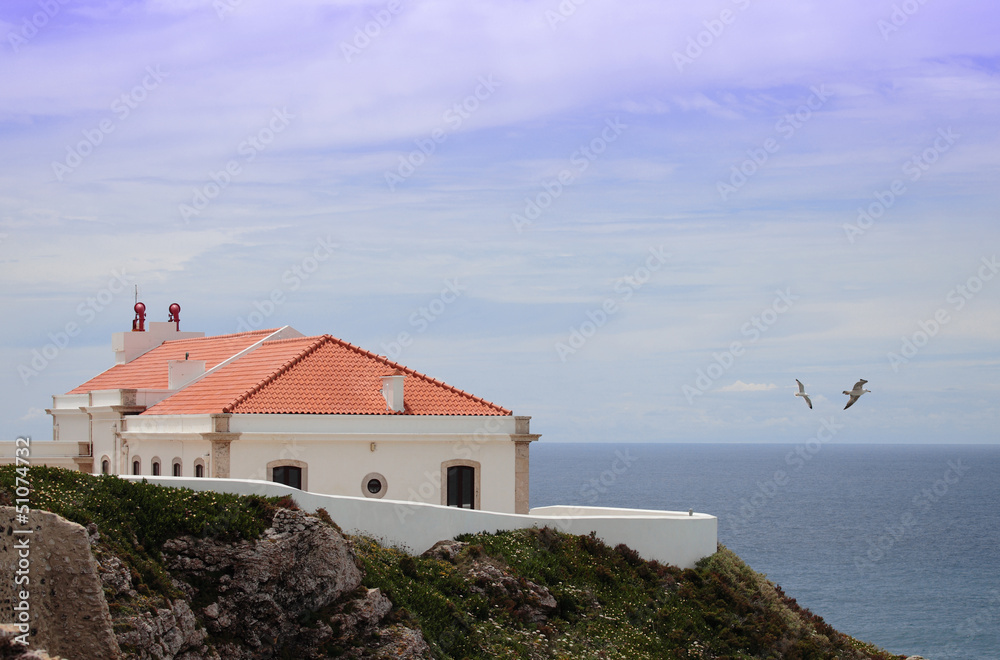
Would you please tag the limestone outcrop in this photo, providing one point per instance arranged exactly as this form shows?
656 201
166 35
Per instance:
293 592
534 603
68 614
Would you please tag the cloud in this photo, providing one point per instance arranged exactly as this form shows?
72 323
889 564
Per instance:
33 413
740 386
354 119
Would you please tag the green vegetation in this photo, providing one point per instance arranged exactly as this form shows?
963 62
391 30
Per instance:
522 594
610 604
135 518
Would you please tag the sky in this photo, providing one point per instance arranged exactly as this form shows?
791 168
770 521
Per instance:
635 222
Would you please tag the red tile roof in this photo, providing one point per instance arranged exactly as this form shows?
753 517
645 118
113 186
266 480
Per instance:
149 370
318 375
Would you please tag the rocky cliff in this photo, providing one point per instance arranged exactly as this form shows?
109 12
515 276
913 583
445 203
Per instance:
166 574
294 592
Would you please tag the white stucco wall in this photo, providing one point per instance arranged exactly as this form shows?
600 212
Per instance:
338 451
411 464
70 426
189 451
463 425
666 536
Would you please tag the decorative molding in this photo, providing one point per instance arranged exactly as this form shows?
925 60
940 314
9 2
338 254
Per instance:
374 475
478 471
289 462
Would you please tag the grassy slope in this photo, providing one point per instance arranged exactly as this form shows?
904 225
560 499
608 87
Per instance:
610 603
135 519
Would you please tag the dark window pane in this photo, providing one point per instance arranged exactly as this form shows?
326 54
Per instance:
156 469
177 469
136 467
452 487
199 470
461 486
288 475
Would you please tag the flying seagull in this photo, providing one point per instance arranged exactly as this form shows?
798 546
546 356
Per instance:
855 394
802 393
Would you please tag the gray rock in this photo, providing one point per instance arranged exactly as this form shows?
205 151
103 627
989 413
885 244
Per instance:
446 550
401 643
115 575
299 565
364 614
69 615
14 650
490 579
165 635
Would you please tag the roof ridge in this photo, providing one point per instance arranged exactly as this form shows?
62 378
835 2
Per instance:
229 336
414 372
281 340
274 375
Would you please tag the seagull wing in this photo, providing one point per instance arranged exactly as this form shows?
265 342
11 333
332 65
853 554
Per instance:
851 402
802 388
860 385
808 400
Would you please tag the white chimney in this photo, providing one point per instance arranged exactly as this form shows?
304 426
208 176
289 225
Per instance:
182 372
392 391
130 345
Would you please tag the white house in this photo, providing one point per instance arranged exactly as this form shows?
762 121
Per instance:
316 413
386 450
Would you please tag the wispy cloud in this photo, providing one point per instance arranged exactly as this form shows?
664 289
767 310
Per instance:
654 185
740 386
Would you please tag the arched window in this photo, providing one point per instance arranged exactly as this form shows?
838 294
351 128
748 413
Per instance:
462 486
288 475
199 470
155 467
105 466
289 472
136 465
460 483
177 469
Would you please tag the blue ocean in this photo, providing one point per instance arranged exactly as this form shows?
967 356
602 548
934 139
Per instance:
898 545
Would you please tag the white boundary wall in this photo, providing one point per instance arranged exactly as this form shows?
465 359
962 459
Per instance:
670 537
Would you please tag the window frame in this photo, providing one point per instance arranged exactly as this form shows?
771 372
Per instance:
381 479
477 473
